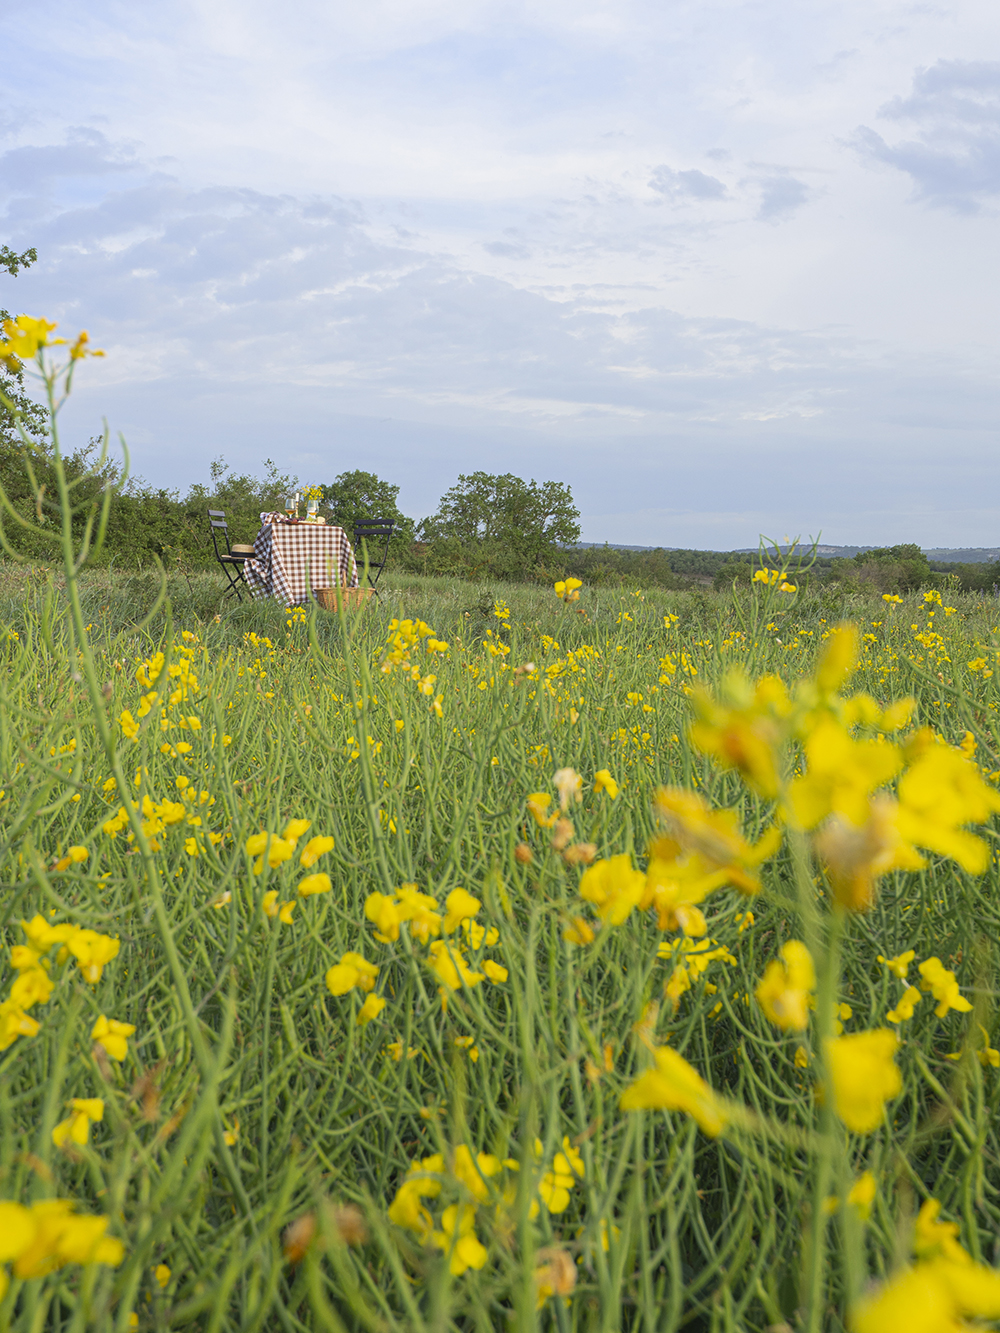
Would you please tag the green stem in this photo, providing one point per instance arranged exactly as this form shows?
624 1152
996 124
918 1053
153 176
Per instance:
830 1142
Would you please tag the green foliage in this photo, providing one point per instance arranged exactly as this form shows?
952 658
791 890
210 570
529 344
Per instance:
733 571
609 566
977 578
15 405
901 568
360 495
500 527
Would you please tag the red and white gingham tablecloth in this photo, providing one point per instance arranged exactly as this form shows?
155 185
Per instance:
291 558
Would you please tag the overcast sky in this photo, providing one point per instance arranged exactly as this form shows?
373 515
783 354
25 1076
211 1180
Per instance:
727 268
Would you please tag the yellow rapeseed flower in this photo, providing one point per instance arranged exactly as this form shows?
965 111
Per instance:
674 1085
76 1128
460 906
22 337
313 850
458 1239
565 589
837 660
899 966
603 781
451 967
112 1036
14 1023
295 829
53 1235
538 804
840 775
905 1006
92 951
313 884
372 1007
864 1076
278 850
943 986
743 728
940 791
352 970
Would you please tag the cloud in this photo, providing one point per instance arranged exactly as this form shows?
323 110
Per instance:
86 152
954 159
686 184
780 196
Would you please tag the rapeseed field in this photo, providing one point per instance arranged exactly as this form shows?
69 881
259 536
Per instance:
584 961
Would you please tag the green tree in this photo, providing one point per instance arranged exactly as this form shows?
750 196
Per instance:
899 568
357 495
733 571
530 520
14 402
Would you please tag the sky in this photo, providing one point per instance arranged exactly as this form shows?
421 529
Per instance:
729 269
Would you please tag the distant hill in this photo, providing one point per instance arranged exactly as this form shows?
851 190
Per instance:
960 555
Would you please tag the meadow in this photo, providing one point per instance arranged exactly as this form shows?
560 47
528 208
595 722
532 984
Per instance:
500 957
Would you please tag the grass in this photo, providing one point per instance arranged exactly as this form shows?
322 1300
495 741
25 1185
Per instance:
251 1098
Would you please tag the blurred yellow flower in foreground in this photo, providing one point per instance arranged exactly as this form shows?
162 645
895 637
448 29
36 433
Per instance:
939 1293
614 886
674 1085
49 1235
785 989
864 1076
459 906
742 729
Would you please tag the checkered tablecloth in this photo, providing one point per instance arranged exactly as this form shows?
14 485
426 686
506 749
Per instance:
291 558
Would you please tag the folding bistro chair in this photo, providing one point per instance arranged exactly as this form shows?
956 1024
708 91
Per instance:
233 557
379 532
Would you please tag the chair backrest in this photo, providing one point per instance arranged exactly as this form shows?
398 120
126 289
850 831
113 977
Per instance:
374 527
217 523
379 532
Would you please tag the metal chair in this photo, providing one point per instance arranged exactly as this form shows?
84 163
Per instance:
378 531
233 557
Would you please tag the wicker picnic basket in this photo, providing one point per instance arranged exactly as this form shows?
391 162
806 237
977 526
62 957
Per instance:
353 598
